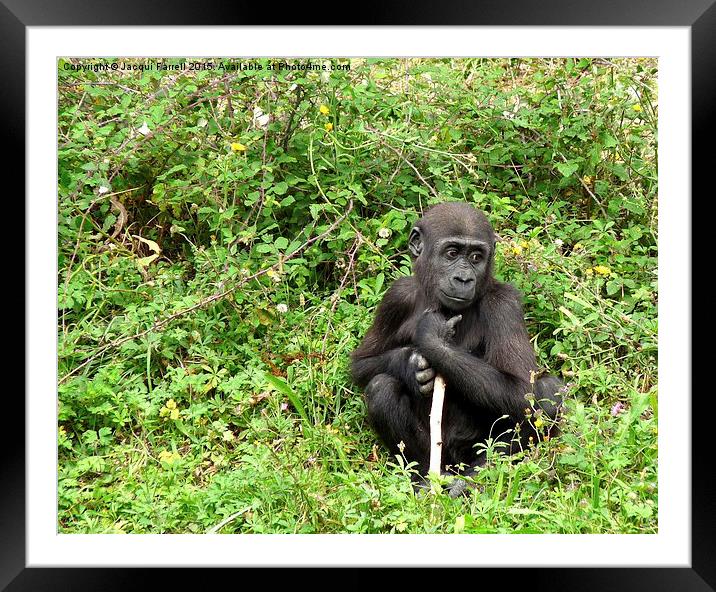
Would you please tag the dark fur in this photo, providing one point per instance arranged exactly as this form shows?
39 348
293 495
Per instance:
486 364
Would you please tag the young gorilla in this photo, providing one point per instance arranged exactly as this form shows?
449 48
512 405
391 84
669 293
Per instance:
453 318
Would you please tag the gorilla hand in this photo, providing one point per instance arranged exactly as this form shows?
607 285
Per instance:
424 375
432 328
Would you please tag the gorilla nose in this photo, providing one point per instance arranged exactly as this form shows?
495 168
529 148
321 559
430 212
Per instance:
464 280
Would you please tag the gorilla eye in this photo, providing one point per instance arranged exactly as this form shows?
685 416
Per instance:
451 253
475 257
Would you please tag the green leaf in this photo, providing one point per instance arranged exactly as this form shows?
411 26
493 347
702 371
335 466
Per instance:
608 140
567 168
570 315
578 300
282 387
174 169
654 402
620 172
89 437
105 435
634 207
613 286
146 261
380 278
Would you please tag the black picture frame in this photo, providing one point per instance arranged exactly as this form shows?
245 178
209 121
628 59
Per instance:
699 15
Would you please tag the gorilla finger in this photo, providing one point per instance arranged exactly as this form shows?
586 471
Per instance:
420 362
452 322
427 388
425 375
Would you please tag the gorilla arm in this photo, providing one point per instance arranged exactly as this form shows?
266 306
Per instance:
384 349
499 380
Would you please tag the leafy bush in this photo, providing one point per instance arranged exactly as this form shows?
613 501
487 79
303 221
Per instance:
225 235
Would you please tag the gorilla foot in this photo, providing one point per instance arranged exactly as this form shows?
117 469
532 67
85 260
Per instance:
460 487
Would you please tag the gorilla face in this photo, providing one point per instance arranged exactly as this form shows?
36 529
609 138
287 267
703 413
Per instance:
452 246
460 265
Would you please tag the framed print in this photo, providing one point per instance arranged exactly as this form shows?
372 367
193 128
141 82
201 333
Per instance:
218 211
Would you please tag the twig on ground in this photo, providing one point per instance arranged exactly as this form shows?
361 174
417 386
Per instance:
225 521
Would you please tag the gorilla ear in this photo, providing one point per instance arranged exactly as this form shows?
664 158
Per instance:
415 242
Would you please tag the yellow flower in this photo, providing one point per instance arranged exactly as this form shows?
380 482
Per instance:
62 431
517 250
590 271
237 147
636 108
524 244
328 126
324 109
602 270
169 457
539 422
587 180
170 408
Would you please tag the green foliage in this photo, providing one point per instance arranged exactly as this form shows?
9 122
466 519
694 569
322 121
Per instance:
222 249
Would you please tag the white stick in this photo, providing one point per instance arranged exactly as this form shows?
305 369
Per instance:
436 419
